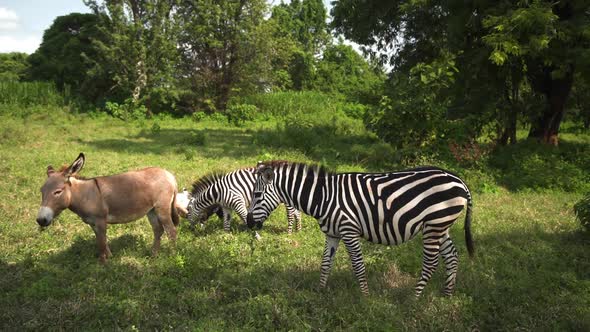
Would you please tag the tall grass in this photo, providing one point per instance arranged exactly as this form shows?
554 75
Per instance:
26 94
290 102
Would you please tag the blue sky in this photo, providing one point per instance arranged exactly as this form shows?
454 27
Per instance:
22 22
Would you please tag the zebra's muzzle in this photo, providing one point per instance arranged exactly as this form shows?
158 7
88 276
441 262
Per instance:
250 221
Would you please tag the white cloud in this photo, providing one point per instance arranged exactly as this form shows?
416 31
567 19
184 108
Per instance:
28 44
8 19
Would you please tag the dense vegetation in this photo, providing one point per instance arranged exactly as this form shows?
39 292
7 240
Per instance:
198 86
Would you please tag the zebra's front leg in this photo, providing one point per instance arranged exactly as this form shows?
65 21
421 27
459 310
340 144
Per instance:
451 259
431 246
328 258
353 246
226 219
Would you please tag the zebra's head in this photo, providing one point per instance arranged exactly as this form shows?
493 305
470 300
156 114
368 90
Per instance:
264 201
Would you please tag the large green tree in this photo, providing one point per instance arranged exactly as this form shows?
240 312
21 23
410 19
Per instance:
499 46
62 55
218 42
138 50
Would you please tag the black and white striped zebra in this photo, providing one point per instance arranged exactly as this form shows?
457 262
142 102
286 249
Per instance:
388 208
229 191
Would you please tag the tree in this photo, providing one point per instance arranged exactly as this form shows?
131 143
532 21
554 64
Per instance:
343 71
138 49
302 33
61 56
542 42
13 66
217 41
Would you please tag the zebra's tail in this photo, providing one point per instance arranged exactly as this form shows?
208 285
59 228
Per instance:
468 237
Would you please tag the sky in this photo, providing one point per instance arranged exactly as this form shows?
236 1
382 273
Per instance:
22 22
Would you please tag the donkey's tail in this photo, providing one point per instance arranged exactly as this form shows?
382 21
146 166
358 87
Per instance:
468 237
173 211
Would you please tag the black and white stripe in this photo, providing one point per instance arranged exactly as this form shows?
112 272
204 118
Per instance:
227 192
388 208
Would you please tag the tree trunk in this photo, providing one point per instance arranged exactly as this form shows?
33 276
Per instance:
556 90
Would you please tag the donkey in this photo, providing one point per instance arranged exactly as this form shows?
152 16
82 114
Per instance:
114 199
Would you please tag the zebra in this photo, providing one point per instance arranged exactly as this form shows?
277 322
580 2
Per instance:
388 208
223 192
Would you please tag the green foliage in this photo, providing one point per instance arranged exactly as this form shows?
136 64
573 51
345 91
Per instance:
528 166
13 66
129 110
415 115
63 53
582 209
26 94
238 114
343 71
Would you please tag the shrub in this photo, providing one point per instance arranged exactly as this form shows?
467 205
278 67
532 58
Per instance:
198 116
582 209
129 110
240 113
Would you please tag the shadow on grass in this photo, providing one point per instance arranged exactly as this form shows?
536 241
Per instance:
519 280
320 142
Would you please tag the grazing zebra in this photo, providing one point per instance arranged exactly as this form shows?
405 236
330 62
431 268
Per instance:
388 208
231 191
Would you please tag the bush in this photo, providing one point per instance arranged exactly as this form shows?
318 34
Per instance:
530 165
240 113
198 116
582 209
129 110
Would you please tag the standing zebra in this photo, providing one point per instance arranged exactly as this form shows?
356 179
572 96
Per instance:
388 208
231 191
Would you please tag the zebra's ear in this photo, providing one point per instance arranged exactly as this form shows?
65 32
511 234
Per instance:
269 174
259 167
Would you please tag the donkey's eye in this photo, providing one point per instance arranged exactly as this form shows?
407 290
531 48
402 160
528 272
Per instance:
58 192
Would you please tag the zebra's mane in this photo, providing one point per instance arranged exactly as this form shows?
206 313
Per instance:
205 181
320 169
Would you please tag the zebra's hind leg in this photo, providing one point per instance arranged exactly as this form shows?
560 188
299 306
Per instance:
431 246
293 215
328 258
353 246
451 259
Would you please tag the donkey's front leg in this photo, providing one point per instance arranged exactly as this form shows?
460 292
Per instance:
100 230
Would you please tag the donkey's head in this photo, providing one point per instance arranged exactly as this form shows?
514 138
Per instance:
56 192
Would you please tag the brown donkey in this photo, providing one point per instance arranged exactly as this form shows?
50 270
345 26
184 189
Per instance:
113 199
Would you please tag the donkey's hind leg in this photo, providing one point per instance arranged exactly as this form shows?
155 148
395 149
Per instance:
158 231
165 218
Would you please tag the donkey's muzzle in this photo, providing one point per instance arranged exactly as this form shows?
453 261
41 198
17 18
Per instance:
45 216
43 222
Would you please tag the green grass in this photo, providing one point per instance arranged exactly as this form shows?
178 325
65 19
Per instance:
531 271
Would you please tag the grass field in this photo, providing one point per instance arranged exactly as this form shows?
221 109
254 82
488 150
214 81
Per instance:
531 271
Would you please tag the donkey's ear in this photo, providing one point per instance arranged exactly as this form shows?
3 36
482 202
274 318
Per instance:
269 174
76 166
50 170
